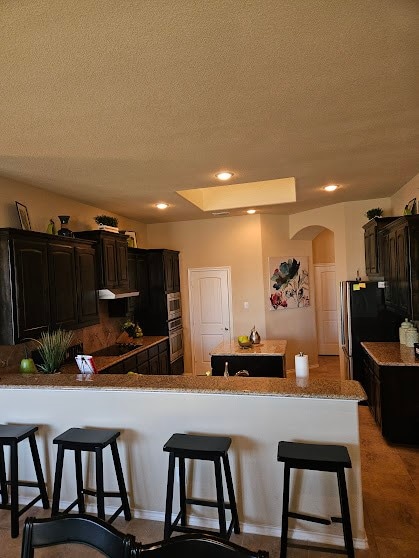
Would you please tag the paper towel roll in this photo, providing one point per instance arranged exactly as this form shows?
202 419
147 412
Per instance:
301 366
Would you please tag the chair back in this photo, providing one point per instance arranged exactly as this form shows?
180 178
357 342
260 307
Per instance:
196 545
80 528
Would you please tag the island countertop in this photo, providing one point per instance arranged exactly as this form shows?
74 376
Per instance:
279 387
267 347
391 353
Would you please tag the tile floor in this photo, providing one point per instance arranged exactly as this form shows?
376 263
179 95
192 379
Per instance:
391 503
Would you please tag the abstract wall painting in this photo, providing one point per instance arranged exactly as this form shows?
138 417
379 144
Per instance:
288 282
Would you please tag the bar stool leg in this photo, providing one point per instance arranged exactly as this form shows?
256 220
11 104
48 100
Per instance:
220 497
231 495
38 471
3 479
99 484
346 518
57 481
285 505
182 491
169 496
79 481
14 490
121 482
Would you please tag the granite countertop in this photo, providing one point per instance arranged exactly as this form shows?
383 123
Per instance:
280 387
267 347
391 354
103 362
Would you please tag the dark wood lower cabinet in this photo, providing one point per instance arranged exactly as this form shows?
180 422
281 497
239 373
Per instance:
153 361
393 399
258 366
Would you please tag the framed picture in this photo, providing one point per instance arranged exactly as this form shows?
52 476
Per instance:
22 211
132 239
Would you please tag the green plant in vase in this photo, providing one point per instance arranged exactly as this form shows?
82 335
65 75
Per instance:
52 349
375 212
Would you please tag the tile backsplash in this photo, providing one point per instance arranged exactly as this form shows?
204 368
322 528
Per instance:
93 338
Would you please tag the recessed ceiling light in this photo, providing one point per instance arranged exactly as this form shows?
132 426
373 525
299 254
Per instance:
162 205
224 175
330 188
251 211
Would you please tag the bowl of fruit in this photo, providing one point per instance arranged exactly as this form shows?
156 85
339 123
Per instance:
244 341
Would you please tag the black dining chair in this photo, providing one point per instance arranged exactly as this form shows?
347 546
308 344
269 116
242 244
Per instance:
81 528
195 545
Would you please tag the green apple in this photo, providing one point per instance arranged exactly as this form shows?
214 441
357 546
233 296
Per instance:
243 338
27 366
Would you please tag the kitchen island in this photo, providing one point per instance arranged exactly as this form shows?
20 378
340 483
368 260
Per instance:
255 412
265 359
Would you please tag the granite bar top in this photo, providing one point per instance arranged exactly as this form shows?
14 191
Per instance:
280 387
391 354
267 347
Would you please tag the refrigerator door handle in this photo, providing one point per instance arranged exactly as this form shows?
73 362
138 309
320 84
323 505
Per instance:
342 314
349 319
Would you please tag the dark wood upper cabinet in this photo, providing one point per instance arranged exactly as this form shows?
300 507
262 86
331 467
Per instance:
63 290
87 299
47 281
400 246
27 304
373 246
112 258
164 270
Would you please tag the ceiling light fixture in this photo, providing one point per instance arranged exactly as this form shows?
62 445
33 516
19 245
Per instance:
162 205
251 211
224 175
330 188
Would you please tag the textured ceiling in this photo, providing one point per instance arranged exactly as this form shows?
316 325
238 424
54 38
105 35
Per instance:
120 103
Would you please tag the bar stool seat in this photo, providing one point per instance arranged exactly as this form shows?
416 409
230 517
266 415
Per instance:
207 448
316 457
11 435
94 440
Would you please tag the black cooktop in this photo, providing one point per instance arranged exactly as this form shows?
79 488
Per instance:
116 350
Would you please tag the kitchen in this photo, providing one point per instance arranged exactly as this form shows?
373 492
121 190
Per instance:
239 241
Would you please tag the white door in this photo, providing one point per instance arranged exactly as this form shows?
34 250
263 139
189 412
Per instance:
210 313
326 309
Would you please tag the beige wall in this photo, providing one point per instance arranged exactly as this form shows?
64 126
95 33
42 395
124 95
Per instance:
324 247
233 242
296 325
43 205
404 195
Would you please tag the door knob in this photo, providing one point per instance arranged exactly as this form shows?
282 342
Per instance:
226 328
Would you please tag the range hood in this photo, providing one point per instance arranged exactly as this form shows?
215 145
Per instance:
107 294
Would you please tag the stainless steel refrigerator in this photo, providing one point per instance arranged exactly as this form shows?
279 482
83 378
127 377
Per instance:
364 317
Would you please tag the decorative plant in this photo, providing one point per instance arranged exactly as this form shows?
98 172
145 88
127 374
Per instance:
106 220
375 212
52 349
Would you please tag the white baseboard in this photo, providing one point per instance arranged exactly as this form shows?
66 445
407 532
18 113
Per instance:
209 523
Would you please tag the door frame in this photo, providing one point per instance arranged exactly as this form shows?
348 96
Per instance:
230 304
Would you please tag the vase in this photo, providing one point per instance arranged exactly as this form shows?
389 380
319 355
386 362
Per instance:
64 231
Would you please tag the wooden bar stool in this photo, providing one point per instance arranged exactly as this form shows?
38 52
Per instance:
11 435
94 440
207 448
316 457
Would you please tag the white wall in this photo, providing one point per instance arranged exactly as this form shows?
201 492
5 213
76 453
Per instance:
43 205
409 191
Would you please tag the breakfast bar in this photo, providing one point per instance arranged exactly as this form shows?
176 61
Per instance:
255 412
265 359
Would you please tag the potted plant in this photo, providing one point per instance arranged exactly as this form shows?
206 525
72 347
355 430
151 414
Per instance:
52 349
375 212
107 223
